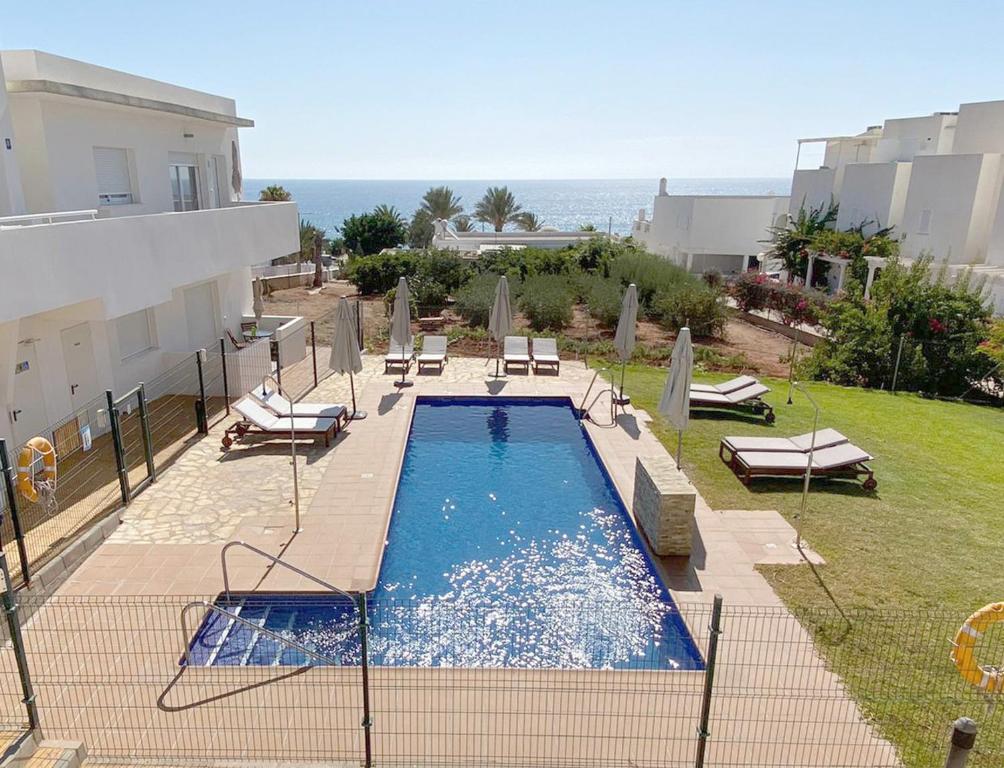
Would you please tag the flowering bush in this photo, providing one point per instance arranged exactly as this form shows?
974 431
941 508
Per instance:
796 305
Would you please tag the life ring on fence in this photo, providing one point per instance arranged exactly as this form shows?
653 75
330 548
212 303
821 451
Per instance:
30 483
983 676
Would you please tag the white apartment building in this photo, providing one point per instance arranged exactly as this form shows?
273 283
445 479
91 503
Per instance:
936 179
124 246
473 244
704 232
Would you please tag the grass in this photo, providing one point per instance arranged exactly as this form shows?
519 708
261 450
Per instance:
909 561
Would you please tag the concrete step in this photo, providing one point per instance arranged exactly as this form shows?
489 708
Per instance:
48 753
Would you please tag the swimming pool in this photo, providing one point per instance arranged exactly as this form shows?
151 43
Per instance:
508 546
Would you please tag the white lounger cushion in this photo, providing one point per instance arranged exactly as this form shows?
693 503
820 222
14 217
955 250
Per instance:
826 458
269 422
282 407
433 349
731 398
546 350
725 387
824 439
517 349
397 353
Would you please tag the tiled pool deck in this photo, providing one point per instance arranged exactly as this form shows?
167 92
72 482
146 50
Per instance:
170 541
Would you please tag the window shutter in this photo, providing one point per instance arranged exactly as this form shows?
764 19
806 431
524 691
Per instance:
112 169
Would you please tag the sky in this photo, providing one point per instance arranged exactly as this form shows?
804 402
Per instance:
401 89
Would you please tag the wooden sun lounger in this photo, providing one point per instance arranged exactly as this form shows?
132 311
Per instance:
280 406
749 396
545 352
433 352
844 460
255 419
516 351
730 446
398 357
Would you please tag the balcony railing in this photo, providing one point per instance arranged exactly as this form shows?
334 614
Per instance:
30 219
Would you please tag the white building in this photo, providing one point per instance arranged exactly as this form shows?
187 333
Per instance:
936 179
472 244
702 232
124 245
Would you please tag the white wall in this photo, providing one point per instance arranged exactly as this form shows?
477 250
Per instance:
980 128
961 193
812 188
11 195
902 138
876 192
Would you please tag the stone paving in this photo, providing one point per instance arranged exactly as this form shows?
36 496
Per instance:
777 705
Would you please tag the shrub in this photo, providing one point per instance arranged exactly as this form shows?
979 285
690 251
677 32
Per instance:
751 291
370 233
379 273
443 267
650 273
603 300
547 302
388 302
694 304
474 300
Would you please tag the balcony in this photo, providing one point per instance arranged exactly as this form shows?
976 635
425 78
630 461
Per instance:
133 262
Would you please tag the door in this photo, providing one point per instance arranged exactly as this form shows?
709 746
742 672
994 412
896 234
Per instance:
28 416
185 187
81 372
200 312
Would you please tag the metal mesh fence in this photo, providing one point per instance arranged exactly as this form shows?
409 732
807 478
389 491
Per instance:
808 691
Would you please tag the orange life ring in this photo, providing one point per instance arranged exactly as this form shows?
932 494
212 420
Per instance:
984 677
33 450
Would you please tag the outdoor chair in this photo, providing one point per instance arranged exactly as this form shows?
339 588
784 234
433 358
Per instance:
545 352
726 387
398 357
255 419
235 341
516 351
281 406
845 460
825 438
433 352
749 396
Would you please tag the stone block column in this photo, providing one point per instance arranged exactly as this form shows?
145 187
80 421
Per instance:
663 505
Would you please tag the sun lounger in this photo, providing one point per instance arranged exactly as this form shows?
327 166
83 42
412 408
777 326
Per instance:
799 444
255 419
433 352
398 357
843 460
749 396
545 352
725 387
516 351
280 406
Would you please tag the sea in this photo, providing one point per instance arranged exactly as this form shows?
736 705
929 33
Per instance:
562 204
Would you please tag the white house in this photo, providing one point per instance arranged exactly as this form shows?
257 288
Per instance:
936 180
702 232
124 246
472 244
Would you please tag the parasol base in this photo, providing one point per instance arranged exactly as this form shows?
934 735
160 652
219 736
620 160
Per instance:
402 384
358 415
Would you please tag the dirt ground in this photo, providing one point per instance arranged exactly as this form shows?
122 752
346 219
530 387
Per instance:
763 350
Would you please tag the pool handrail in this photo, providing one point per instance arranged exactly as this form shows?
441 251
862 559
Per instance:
241 620
583 410
277 561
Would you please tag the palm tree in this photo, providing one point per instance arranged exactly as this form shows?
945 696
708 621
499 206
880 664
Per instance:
441 203
275 193
390 212
498 207
790 241
529 222
463 224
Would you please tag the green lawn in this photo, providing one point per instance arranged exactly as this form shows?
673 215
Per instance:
909 560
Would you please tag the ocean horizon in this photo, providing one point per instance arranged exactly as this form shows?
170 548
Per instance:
566 204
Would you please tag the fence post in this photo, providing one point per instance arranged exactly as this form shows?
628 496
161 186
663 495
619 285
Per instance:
715 630
365 666
895 370
120 463
278 364
17 641
201 419
15 517
963 739
144 420
313 348
226 384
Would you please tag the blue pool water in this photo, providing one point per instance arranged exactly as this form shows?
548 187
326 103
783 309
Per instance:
508 547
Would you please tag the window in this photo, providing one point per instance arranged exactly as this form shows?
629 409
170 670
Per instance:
135 332
185 186
214 166
111 166
924 228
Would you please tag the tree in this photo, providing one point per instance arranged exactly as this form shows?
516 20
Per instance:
587 228
498 207
370 233
529 222
441 203
311 247
421 229
791 241
275 193
463 223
